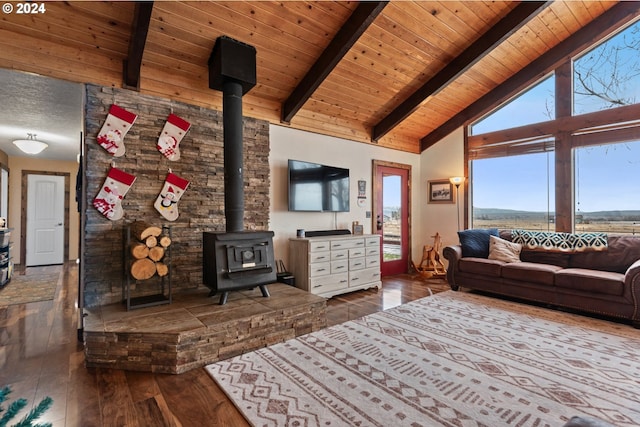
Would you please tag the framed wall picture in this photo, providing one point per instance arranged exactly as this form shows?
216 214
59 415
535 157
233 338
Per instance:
440 191
358 230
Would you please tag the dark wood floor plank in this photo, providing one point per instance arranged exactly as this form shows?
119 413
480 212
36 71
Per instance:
195 399
150 403
142 386
116 404
54 386
168 416
149 413
83 397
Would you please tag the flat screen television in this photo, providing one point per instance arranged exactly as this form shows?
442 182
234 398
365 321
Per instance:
318 188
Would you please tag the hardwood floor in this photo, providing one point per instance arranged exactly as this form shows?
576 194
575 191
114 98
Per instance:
41 356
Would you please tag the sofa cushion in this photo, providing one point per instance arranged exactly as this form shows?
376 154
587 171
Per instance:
504 250
483 266
623 250
530 272
475 242
542 257
593 281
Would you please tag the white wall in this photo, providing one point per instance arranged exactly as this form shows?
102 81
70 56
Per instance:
287 143
441 161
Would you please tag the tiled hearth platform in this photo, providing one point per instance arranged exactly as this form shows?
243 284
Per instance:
194 330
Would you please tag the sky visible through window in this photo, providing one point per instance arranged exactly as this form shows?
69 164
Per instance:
533 106
391 193
607 176
516 182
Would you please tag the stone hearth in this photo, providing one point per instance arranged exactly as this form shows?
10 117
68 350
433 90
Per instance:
195 331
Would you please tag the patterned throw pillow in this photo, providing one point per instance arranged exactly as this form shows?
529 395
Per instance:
590 242
560 242
475 242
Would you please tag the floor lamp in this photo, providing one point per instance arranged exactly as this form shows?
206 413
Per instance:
457 180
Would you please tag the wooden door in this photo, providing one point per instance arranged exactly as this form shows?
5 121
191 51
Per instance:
391 215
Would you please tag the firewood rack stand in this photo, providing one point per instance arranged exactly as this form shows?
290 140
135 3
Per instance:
163 296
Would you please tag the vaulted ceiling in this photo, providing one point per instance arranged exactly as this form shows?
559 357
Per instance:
401 74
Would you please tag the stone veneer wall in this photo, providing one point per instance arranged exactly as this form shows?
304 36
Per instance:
201 206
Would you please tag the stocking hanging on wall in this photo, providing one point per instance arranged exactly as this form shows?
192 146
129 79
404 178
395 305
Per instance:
167 201
169 141
115 127
109 200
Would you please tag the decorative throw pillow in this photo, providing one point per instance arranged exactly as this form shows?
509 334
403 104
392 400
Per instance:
504 250
586 242
543 240
560 242
475 242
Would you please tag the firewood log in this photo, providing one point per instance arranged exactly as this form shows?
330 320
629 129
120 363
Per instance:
139 250
151 241
165 241
143 269
141 230
156 253
162 269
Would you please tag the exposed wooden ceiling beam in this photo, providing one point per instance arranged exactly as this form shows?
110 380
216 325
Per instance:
613 19
513 21
139 30
344 39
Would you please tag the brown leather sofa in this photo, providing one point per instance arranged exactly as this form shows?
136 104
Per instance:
605 283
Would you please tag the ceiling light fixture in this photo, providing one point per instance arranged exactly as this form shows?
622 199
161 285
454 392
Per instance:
30 145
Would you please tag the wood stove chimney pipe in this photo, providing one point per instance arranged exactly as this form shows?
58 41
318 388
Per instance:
232 69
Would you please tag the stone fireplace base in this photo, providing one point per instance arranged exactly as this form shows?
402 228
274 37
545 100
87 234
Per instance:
195 330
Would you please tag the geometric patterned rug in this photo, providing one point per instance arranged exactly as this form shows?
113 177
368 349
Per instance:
26 288
452 359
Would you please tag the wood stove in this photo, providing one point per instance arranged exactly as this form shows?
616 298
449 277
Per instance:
236 259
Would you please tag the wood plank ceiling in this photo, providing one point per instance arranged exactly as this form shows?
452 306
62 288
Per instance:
415 65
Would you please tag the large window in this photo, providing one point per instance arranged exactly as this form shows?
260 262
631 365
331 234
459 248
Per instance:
514 192
534 105
608 76
606 188
515 150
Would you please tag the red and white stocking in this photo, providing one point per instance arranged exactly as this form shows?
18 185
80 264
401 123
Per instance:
167 201
109 200
169 141
115 127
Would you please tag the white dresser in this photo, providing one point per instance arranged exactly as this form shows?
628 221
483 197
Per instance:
332 265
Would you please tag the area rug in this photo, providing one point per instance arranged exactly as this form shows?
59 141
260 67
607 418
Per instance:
23 289
453 359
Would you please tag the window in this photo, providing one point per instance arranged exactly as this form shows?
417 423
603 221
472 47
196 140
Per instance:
607 193
513 183
514 192
608 76
534 105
